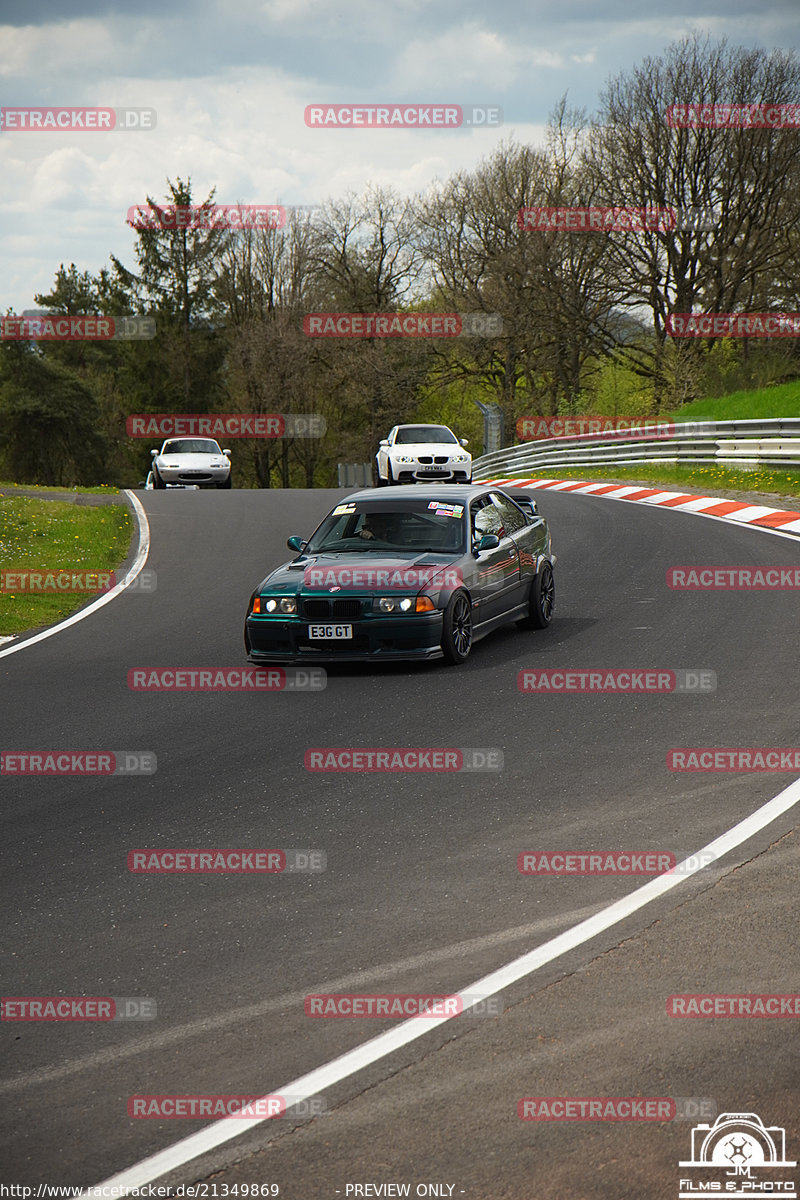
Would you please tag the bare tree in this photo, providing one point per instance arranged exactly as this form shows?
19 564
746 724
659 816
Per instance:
745 178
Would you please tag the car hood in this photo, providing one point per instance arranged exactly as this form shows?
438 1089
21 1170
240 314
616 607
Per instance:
365 573
192 461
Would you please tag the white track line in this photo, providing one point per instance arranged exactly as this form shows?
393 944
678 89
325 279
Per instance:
327 1076
107 597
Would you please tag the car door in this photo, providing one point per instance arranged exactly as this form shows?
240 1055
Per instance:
498 569
529 533
530 536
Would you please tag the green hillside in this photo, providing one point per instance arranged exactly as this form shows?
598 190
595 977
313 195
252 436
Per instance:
781 400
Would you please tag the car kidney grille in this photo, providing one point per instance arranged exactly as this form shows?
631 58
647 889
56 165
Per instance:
337 610
425 458
441 460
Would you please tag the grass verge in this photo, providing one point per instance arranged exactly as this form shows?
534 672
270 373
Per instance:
48 536
102 489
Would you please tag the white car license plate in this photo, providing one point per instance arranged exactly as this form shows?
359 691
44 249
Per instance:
443 467
330 633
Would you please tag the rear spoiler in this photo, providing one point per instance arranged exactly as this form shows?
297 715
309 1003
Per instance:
527 504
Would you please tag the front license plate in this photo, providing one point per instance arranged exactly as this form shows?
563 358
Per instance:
330 633
442 468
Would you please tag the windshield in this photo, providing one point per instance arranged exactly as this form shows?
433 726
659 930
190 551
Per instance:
424 433
191 446
402 527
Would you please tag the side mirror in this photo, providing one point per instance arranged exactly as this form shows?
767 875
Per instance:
488 542
227 452
296 543
383 442
153 453
464 441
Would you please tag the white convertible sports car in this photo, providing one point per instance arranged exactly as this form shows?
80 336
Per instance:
190 462
423 454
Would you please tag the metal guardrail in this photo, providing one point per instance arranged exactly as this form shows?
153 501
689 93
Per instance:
354 475
742 444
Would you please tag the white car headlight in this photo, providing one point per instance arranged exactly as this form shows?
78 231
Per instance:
460 458
390 604
283 604
404 458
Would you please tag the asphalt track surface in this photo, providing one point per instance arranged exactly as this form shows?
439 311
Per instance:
421 891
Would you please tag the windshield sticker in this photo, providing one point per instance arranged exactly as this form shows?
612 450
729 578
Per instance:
343 508
446 510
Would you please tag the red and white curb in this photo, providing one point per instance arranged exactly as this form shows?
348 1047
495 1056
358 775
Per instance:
708 506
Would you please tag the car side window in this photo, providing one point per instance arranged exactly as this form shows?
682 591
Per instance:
512 517
486 518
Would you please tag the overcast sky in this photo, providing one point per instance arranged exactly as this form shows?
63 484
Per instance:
230 83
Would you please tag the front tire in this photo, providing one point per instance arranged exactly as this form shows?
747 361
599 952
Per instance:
457 629
158 482
227 483
542 600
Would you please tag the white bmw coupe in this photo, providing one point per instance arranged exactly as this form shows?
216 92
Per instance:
422 454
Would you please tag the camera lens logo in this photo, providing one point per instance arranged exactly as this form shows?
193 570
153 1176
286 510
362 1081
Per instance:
737 1155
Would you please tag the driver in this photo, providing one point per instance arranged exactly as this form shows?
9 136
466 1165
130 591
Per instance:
378 527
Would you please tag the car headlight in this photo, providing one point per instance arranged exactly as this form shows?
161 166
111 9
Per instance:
405 458
403 604
460 458
393 604
280 604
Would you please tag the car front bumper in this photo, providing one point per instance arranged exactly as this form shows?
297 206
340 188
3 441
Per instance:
443 474
199 476
374 638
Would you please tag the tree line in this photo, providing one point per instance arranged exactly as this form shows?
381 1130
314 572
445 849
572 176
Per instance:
583 314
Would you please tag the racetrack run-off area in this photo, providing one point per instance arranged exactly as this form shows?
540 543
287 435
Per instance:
420 891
